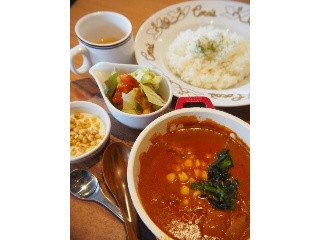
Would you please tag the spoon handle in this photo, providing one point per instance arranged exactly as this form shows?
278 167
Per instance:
131 232
104 201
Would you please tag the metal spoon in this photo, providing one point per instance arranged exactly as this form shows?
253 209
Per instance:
115 159
84 185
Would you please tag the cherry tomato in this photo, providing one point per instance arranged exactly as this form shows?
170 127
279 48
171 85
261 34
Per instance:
128 83
117 98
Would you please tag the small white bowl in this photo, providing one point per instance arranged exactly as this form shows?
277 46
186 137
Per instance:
92 108
101 72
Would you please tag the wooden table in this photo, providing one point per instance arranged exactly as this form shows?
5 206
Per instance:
89 220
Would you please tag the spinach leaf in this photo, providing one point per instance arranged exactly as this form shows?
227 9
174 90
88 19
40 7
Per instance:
219 189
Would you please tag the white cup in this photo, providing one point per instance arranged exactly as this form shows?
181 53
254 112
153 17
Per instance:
103 37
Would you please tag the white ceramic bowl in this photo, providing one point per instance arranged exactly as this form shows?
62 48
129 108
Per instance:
159 126
101 72
92 108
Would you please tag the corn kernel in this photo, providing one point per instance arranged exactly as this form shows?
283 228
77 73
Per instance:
94 119
85 140
93 131
188 163
72 142
197 163
98 136
73 151
90 137
93 143
171 177
184 190
83 131
183 176
76 115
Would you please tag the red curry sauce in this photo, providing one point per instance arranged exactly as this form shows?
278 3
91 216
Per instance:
180 157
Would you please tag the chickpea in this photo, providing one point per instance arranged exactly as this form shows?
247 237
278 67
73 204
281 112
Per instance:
197 163
192 180
204 175
196 193
184 190
196 172
183 177
188 163
171 177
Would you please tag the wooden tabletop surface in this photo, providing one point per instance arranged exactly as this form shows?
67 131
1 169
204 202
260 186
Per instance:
89 220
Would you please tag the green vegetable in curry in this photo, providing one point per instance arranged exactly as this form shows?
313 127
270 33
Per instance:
219 189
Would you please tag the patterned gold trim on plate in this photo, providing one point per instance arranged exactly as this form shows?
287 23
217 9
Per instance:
233 97
239 13
198 12
165 22
149 55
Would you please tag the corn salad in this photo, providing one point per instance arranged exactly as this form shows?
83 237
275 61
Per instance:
86 131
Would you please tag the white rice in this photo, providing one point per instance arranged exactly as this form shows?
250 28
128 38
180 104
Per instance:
209 58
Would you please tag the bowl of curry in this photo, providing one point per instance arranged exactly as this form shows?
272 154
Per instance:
189 176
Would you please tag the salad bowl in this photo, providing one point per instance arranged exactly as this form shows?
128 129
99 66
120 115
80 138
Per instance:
103 72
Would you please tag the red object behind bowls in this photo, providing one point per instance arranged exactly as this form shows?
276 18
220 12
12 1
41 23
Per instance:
197 99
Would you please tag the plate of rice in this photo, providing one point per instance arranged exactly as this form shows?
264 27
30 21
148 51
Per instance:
203 47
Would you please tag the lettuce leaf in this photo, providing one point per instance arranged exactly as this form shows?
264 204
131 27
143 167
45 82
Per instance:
137 74
152 96
151 78
129 103
111 84
155 107
129 111
144 76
